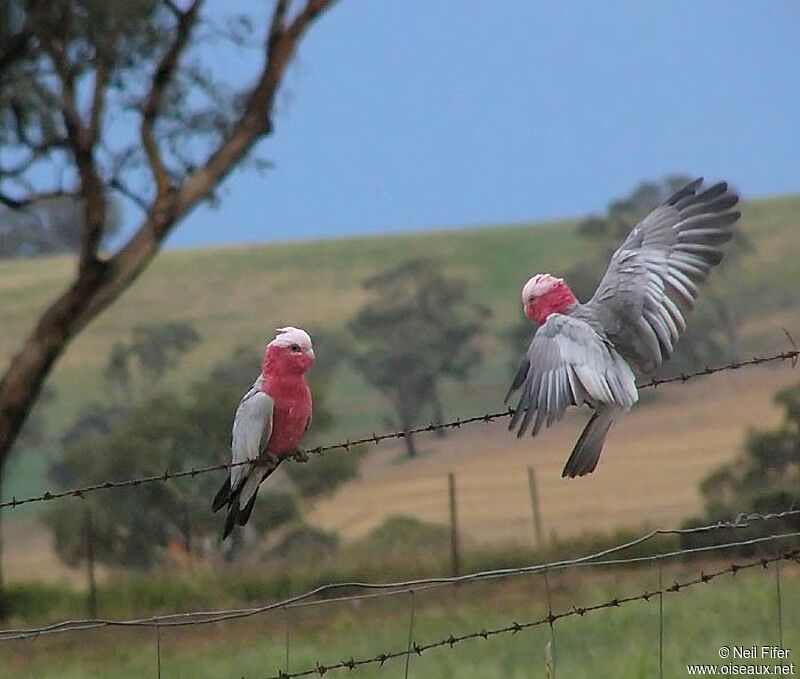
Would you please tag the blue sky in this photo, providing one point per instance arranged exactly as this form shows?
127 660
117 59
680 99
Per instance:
419 115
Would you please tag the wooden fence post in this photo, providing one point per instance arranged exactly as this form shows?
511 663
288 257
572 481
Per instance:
455 565
537 517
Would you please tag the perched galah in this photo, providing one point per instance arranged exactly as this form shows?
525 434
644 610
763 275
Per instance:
587 353
270 421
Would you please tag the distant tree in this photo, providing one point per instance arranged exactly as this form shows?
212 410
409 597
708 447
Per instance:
713 329
419 328
764 479
134 525
133 372
153 350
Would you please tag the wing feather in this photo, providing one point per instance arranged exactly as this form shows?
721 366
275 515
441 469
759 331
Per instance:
657 270
252 428
569 363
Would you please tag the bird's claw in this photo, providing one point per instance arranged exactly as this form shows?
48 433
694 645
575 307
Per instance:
300 454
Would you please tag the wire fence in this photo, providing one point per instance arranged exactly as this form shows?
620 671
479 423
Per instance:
348 592
550 619
314 596
510 628
791 355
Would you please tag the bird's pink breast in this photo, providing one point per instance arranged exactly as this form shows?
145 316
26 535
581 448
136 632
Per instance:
292 399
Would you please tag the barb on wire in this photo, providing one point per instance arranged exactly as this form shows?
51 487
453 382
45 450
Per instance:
385 589
550 619
790 355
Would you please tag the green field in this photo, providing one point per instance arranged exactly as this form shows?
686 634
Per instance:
619 642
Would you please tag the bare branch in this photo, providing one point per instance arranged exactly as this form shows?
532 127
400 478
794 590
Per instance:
276 25
120 187
161 79
255 120
81 143
105 60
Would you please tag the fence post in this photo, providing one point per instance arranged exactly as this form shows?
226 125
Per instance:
91 595
537 517
455 566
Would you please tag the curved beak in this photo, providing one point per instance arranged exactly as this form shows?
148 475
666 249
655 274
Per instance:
310 354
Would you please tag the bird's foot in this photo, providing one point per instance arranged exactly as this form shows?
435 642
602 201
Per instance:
300 454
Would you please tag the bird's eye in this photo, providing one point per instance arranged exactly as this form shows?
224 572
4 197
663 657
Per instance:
531 298
295 347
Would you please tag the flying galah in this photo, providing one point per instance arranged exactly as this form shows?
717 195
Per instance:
270 421
587 353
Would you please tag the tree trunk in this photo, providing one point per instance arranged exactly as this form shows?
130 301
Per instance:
407 424
27 371
438 412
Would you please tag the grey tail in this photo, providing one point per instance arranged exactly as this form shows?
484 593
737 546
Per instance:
237 515
587 450
223 495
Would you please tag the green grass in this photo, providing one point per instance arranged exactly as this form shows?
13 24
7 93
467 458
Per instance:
613 643
238 295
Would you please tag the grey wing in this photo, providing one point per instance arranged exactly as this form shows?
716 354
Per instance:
569 363
653 277
252 428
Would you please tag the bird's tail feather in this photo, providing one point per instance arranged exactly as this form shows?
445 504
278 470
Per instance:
586 452
223 495
245 492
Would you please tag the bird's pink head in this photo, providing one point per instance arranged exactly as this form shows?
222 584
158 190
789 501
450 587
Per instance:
290 353
543 295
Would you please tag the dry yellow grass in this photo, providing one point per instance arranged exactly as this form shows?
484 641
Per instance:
653 462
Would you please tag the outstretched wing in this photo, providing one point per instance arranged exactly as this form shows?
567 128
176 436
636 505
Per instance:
568 363
653 277
252 428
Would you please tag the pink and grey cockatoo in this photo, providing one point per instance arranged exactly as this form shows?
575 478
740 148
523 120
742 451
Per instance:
587 353
270 421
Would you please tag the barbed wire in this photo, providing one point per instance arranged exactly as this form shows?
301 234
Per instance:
404 587
550 619
485 418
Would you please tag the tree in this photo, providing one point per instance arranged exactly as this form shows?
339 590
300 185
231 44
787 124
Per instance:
69 73
72 71
133 372
764 479
713 330
419 328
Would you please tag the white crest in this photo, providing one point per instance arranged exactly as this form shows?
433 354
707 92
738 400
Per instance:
289 335
539 285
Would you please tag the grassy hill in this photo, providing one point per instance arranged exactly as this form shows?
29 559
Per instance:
238 295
